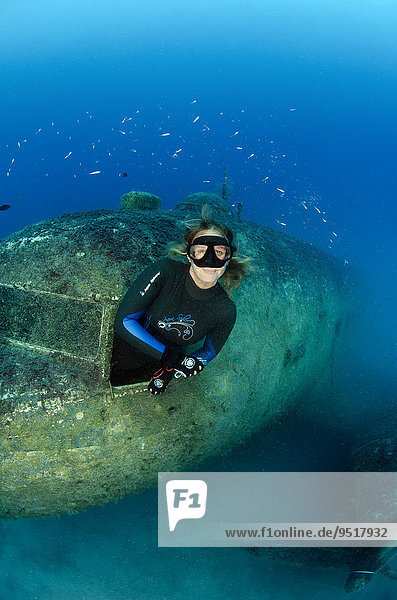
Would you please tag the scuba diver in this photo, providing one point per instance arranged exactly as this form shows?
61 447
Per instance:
172 305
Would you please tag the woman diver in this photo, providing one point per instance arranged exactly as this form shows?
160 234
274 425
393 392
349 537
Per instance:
172 305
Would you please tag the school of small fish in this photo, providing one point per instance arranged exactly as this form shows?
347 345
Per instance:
175 147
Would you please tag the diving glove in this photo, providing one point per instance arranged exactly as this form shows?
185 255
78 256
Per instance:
188 366
160 380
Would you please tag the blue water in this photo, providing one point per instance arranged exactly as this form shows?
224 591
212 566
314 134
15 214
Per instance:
297 101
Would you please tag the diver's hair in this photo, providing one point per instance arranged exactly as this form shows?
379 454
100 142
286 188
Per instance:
239 266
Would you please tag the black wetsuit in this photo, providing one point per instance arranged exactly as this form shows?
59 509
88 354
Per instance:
165 308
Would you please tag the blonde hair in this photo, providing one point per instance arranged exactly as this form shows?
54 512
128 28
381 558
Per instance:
239 266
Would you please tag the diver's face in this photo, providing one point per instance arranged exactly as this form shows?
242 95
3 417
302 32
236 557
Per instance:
206 277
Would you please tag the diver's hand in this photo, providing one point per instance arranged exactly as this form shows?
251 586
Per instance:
160 380
188 366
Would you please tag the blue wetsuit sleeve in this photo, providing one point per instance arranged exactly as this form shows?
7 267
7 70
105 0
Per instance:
206 352
133 327
138 298
216 338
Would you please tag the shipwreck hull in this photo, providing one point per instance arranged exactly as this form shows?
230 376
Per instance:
68 439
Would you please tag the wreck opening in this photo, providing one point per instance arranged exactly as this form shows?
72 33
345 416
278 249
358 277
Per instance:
122 357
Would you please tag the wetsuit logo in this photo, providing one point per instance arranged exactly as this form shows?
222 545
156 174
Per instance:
182 324
149 284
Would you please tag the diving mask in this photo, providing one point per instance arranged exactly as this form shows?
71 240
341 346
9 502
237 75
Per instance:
210 251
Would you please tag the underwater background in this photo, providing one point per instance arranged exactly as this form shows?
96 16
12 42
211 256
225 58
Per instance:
296 101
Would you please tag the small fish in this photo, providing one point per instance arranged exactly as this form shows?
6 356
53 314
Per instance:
94 172
4 207
196 119
67 156
164 134
280 190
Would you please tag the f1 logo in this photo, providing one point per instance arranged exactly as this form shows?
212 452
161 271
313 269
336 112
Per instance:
186 499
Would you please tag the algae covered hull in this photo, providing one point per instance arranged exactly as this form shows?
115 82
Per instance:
68 439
